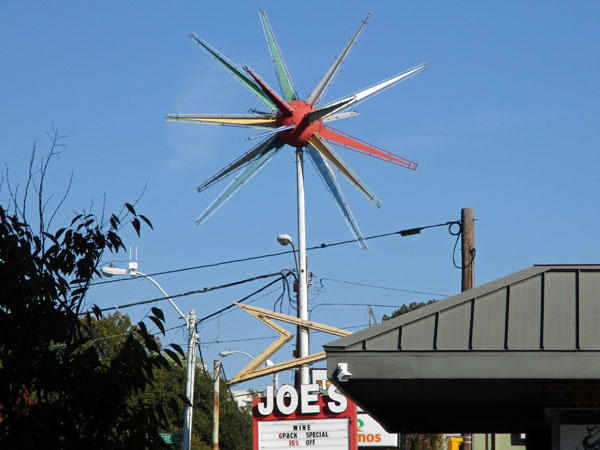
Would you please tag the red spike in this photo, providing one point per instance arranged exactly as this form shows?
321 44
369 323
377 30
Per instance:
279 102
351 143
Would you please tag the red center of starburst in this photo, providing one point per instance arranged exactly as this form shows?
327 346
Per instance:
303 130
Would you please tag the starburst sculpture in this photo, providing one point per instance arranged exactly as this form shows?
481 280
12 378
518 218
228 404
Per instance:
297 123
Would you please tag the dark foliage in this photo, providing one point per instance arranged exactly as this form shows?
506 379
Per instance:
56 391
58 388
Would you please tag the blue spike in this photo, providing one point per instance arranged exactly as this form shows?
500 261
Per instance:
334 189
242 178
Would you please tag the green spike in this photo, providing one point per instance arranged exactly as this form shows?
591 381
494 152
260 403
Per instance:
234 70
285 80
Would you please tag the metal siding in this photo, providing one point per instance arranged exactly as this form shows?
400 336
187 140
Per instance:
489 321
524 318
453 328
419 335
384 341
559 311
356 346
589 310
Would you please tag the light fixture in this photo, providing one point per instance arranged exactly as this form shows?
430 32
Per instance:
111 270
342 373
285 239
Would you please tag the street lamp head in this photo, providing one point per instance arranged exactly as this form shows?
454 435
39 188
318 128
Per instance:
225 353
111 270
285 239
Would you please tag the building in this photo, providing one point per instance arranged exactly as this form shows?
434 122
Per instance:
518 355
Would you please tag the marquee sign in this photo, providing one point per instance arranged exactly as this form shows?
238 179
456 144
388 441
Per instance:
304 419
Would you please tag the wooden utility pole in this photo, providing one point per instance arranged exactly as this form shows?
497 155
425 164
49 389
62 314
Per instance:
467 224
468 248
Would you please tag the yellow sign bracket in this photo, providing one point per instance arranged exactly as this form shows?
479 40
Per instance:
254 370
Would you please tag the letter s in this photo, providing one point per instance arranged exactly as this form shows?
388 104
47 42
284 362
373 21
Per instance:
339 402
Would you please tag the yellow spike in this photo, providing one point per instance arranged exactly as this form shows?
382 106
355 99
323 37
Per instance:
267 121
317 142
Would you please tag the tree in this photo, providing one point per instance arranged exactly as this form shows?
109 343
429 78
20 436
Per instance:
418 441
166 392
57 390
407 308
109 333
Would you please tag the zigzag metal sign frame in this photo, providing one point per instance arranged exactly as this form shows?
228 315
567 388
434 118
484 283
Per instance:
254 370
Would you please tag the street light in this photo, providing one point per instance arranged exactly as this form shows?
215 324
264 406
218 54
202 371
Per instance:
285 239
268 363
190 322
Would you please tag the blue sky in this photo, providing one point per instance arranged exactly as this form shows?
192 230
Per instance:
504 121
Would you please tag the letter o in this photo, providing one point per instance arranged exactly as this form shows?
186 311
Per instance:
281 406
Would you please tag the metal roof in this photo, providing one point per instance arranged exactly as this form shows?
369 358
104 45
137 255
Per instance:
498 339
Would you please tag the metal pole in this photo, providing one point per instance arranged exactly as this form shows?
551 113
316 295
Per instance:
137 272
303 344
188 412
215 436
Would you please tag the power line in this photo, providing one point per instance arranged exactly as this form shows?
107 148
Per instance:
240 301
198 291
264 338
383 287
403 233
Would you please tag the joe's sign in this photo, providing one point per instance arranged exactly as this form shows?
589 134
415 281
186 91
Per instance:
304 418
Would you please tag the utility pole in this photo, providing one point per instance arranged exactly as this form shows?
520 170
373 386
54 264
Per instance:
215 436
188 412
467 224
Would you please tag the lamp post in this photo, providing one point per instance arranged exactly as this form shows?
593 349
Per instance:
190 322
268 363
302 298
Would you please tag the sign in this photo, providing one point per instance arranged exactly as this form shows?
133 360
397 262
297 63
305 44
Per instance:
371 434
318 434
287 400
305 418
579 437
170 438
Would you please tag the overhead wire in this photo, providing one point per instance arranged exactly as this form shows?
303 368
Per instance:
282 277
197 291
403 233
458 234
222 372
383 287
